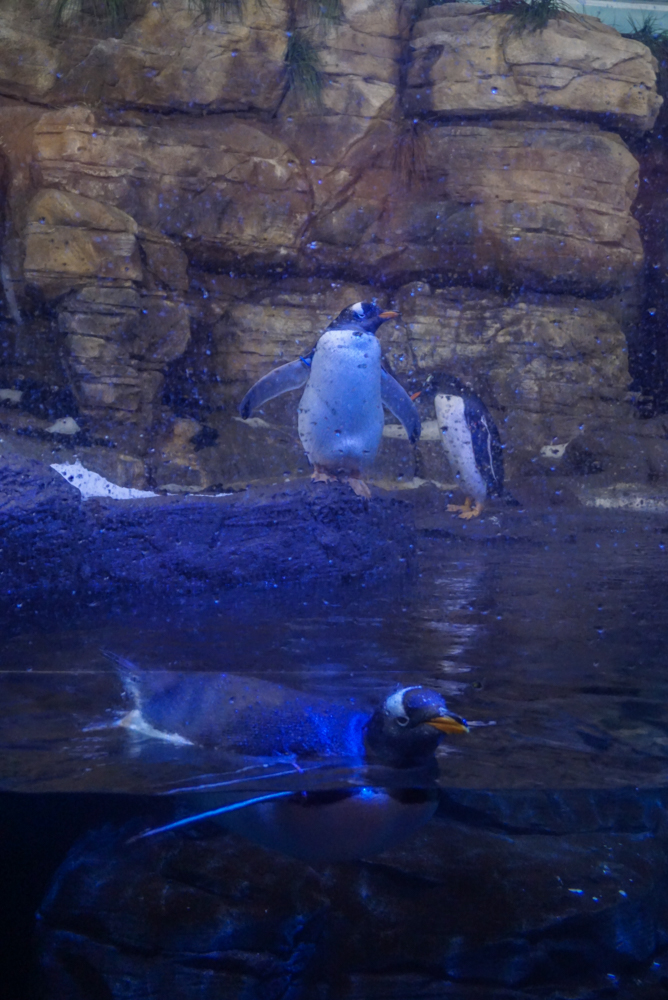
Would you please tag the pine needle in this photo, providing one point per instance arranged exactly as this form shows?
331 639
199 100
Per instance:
109 13
303 64
650 34
322 13
529 15
226 10
409 159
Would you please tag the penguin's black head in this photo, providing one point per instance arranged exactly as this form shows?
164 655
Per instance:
407 728
366 315
441 383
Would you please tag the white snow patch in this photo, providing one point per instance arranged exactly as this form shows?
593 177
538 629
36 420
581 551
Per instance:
64 425
10 395
91 484
624 496
554 450
254 422
395 431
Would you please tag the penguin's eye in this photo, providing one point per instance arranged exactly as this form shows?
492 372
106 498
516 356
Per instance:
402 720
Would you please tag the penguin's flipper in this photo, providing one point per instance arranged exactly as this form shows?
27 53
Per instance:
291 376
399 403
487 449
230 807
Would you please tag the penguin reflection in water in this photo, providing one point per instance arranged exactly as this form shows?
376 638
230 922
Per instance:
265 720
471 441
341 411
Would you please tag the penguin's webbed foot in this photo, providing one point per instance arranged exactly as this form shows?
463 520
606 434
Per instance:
359 487
320 476
466 510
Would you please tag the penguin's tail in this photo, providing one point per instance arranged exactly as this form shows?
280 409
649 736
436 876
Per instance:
128 673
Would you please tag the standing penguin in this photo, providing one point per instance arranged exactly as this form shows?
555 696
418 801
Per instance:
341 410
470 438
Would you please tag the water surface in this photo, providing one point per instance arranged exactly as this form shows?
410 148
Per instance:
552 648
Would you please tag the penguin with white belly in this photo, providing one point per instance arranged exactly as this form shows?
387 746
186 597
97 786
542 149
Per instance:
345 389
258 718
471 441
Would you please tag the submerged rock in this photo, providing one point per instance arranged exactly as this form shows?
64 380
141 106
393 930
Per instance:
458 906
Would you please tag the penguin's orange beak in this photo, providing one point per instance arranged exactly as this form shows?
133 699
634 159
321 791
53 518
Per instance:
388 314
448 724
415 395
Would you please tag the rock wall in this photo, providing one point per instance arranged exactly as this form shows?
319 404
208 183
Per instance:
187 218
466 61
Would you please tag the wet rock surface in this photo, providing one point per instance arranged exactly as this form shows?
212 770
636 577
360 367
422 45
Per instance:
54 540
463 906
42 520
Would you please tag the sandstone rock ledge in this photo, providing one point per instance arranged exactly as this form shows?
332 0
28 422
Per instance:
466 61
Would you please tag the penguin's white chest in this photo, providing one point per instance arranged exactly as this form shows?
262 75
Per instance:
458 444
341 413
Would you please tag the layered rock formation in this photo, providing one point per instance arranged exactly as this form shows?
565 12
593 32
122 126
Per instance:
125 200
467 61
527 354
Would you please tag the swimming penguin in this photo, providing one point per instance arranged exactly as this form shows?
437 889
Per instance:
262 719
339 824
471 441
341 410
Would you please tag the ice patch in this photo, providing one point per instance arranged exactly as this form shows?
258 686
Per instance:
254 422
10 396
554 450
64 425
90 484
624 496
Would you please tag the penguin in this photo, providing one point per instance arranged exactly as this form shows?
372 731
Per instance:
340 824
260 718
345 388
470 438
